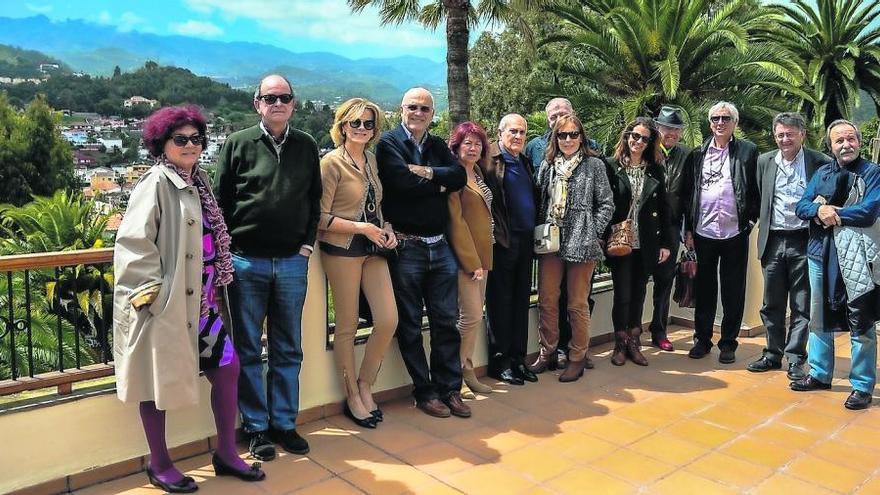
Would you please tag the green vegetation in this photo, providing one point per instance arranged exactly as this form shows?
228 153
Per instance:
34 157
15 62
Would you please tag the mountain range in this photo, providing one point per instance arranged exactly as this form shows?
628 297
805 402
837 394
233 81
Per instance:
97 49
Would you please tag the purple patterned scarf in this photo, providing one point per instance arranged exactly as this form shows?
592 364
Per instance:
223 265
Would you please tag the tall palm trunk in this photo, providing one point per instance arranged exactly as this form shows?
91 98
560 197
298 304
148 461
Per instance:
457 81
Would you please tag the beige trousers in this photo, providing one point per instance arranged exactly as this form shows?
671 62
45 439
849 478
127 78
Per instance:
579 276
471 296
347 276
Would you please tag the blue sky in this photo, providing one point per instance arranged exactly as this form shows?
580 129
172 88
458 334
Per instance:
296 25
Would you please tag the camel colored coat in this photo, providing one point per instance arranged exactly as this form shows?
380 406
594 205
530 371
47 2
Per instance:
470 228
159 244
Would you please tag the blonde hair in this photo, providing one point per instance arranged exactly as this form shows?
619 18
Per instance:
352 110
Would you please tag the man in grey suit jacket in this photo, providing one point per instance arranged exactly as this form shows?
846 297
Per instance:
782 245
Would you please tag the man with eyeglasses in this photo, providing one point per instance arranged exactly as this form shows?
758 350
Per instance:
783 175
418 172
511 178
268 183
720 199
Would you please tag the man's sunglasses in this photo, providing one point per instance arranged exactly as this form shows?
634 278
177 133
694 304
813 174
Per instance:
638 137
181 140
720 118
422 108
271 99
562 136
368 124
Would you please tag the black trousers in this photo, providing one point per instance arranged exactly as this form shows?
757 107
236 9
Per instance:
786 281
630 286
729 258
507 301
664 281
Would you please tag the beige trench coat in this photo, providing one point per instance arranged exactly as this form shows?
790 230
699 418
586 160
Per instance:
159 243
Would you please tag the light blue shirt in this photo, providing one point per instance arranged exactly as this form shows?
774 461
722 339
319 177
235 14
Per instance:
791 182
421 144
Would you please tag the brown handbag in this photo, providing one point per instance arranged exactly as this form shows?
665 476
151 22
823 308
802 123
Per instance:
622 238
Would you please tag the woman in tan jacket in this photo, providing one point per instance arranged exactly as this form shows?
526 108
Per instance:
172 264
470 232
354 240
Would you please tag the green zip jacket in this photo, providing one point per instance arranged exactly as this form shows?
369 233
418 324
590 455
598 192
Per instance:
271 203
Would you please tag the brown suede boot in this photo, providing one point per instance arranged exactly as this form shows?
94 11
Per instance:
542 363
618 355
573 371
634 347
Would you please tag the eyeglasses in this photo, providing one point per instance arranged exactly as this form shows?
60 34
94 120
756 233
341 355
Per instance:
562 136
181 140
638 137
422 108
271 99
720 118
367 124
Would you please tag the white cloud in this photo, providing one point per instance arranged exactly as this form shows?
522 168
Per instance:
196 28
330 20
39 9
127 21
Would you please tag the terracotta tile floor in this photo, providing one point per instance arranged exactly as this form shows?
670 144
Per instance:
678 426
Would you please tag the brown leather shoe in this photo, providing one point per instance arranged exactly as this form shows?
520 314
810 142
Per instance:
634 347
573 371
434 408
618 355
542 363
456 406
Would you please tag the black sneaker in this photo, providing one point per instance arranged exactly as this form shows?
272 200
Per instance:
290 441
261 448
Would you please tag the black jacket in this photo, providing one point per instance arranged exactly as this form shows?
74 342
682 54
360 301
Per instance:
767 187
743 165
655 226
674 170
412 204
493 173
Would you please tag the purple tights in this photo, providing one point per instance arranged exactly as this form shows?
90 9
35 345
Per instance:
224 396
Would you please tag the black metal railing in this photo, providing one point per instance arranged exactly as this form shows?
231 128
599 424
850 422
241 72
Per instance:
55 319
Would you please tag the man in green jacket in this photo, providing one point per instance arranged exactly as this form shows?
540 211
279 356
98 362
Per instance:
268 184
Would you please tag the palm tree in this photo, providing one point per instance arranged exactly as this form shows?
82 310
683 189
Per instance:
837 43
627 58
460 17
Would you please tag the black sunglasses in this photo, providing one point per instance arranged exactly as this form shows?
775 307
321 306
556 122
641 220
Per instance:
720 118
638 137
181 140
413 108
368 124
562 136
271 99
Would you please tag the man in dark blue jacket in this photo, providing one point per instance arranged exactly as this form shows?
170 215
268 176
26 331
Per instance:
418 172
844 139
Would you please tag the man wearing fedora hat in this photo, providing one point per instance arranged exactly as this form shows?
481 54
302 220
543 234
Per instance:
670 123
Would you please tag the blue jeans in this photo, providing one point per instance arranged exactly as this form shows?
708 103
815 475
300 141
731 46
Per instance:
426 275
271 289
863 370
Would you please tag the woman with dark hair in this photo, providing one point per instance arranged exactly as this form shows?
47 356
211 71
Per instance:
576 197
170 319
639 187
354 235
471 236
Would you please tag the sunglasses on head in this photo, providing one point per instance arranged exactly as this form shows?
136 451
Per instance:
368 124
271 99
638 137
181 140
422 108
562 136
720 118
